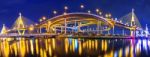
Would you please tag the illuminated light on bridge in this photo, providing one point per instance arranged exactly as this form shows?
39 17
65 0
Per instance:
66 8
108 15
81 6
97 10
100 13
44 18
40 20
143 32
65 13
54 12
31 28
89 11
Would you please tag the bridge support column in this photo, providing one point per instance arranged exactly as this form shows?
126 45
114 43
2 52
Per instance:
79 30
108 32
100 29
132 33
123 32
97 29
65 26
38 30
48 27
113 30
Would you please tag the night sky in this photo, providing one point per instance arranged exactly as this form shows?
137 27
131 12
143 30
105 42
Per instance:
35 9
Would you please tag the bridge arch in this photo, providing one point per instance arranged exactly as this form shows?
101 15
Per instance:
80 18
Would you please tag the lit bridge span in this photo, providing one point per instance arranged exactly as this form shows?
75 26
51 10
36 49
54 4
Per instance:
72 23
26 35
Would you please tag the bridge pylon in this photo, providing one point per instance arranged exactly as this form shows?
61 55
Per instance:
4 30
132 24
19 25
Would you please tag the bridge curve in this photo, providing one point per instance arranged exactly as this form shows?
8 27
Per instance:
87 15
80 16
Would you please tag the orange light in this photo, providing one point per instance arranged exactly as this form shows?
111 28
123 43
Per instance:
31 28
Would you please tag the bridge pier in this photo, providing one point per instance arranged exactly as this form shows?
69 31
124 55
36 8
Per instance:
65 26
113 30
79 28
40 30
132 33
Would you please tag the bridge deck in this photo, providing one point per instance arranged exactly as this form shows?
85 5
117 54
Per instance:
26 35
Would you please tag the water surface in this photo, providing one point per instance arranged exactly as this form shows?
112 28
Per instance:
69 47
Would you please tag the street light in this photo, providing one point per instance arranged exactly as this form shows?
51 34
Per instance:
54 12
115 19
81 6
89 11
44 18
97 10
109 15
120 21
66 8
100 13
40 20
106 15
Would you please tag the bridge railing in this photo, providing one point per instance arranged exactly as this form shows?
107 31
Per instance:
15 35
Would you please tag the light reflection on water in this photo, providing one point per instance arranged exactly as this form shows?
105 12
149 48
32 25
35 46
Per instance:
66 47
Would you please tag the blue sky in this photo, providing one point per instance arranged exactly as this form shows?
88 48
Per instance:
35 9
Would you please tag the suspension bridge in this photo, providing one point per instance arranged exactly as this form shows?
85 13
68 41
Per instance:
76 24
